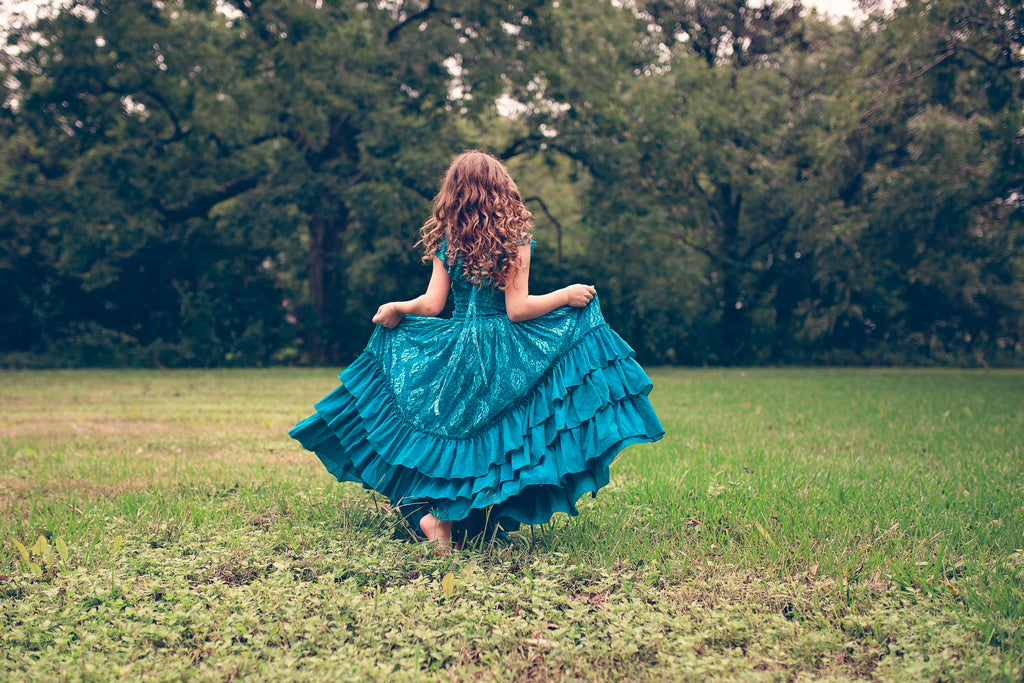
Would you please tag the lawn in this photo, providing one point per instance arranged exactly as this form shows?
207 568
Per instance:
793 524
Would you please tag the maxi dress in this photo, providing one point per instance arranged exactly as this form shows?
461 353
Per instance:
477 414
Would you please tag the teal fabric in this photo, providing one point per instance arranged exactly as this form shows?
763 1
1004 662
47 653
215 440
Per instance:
477 411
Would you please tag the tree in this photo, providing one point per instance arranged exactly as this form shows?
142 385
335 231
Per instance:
266 145
928 223
690 138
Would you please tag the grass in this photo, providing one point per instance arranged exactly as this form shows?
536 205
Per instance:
793 524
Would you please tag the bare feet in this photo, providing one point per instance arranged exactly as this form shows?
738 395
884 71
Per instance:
439 530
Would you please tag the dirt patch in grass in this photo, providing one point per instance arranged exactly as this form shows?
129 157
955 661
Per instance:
58 426
14 490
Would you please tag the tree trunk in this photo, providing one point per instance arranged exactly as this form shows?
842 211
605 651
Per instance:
326 286
732 326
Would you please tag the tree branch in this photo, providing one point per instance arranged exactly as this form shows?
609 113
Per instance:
716 258
259 27
162 104
520 146
412 18
225 150
201 205
159 99
765 239
551 217
891 84
342 138
712 206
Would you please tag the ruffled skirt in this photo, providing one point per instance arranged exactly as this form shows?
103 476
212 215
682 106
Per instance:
479 413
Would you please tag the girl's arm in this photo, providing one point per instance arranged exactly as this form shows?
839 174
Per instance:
429 303
521 305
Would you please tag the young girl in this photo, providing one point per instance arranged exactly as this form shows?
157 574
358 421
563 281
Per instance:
511 409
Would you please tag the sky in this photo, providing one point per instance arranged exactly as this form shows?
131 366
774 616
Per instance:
834 7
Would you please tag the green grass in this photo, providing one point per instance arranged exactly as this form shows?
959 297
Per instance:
793 524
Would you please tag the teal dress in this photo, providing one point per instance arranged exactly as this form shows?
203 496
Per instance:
479 416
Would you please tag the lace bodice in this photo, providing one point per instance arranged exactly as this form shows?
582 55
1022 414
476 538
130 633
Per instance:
469 300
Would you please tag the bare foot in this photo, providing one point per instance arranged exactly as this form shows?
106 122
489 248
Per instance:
439 530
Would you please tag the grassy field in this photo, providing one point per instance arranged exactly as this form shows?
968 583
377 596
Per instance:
793 524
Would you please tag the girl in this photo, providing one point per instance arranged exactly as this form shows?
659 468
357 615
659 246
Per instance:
511 409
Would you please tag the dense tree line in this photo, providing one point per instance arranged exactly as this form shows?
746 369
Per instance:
187 182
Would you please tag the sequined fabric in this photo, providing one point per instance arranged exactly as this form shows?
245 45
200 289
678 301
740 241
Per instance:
477 411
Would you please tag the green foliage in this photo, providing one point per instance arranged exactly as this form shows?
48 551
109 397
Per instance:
771 188
214 181
927 219
201 184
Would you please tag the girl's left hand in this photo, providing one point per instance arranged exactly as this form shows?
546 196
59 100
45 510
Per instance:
388 315
580 295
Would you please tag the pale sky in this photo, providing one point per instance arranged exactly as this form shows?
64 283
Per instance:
834 7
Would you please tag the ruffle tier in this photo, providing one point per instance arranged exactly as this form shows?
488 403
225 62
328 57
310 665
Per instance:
535 458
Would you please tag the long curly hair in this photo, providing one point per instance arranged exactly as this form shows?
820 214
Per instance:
481 217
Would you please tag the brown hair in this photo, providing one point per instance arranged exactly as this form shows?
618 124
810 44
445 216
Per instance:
480 216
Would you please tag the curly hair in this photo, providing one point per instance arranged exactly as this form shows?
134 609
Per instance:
481 218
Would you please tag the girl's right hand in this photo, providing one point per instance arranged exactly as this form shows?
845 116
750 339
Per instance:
388 315
580 295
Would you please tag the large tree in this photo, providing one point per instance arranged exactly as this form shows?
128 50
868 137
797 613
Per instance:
772 187
924 175
181 168
693 138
